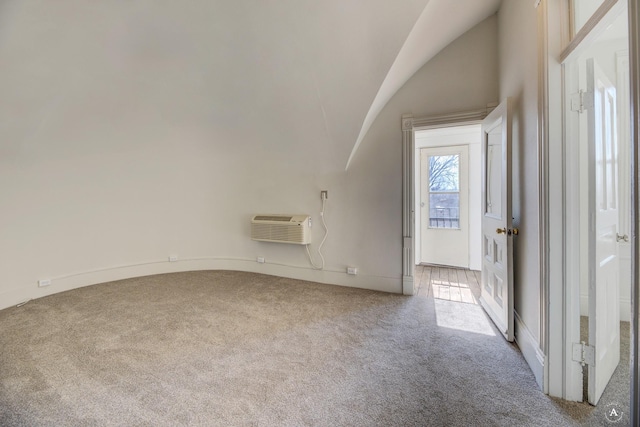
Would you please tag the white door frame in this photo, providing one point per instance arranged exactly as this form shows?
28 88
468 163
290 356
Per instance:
563 376
634 61
410 125
559 260
554 47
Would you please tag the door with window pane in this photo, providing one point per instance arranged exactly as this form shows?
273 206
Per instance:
444 206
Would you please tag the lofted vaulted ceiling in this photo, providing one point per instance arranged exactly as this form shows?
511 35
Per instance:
292 74
440 23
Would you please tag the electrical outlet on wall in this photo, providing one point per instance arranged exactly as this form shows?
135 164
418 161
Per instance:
352 271
260 260
173 258
324 195
44 282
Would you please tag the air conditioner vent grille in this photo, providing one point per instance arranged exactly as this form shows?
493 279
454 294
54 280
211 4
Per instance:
281 229
272 218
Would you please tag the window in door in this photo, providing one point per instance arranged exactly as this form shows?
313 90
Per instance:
444 191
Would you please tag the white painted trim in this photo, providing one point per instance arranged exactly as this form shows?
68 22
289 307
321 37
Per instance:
409 125
624 178
408 285
592 28
572 371
545 245
81 279
625 309
408 202
634 62
565 376
572 386
453 119
625 292
530 349
624 136
556 14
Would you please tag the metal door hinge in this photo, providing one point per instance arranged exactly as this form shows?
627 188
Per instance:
584 354
581 101
623 237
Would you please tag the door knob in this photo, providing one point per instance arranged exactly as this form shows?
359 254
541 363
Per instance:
623 237
514 231
422 205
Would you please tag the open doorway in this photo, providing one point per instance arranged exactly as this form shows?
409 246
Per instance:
598 147
447 196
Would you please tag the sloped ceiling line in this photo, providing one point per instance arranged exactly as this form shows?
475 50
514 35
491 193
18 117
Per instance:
439 24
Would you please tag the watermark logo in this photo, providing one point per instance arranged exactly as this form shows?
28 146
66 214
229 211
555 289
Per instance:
613 412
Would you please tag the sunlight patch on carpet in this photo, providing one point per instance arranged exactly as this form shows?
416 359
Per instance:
463 317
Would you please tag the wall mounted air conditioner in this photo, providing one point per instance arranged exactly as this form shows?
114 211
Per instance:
281 228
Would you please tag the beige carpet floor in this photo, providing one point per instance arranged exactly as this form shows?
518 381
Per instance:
221 348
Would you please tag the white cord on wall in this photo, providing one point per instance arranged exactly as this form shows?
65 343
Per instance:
326 233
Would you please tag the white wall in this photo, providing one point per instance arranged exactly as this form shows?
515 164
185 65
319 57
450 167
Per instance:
134 130
125 139
519 80
461 77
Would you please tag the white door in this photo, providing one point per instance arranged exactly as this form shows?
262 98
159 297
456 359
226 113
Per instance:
497 232
444 206
604 314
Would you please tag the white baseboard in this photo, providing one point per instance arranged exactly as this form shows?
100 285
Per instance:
31 291
625 310
408 285
584 305
530 349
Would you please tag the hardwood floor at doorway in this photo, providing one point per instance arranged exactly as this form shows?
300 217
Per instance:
448 283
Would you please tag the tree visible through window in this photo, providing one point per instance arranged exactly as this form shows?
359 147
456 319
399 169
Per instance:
444 191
